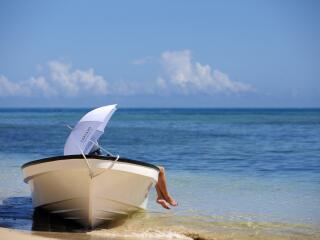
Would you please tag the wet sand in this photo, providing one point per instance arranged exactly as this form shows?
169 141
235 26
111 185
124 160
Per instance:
21 222
149 235
6 233
155 225
160 227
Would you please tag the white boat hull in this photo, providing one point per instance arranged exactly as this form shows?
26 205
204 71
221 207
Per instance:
114 190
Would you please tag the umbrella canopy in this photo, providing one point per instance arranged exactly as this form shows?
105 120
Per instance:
88 130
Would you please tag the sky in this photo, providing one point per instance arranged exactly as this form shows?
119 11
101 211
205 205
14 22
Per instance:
160 53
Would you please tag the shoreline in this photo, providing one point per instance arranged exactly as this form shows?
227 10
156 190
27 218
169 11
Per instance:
119 233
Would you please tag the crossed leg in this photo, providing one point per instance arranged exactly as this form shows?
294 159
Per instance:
164 198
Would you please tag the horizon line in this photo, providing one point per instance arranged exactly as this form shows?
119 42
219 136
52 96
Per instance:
86 107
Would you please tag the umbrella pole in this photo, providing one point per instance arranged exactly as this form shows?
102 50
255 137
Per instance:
87 162
84 156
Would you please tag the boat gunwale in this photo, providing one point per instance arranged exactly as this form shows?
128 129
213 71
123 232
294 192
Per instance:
71 157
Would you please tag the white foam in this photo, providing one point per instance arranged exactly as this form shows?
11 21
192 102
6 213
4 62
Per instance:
149 234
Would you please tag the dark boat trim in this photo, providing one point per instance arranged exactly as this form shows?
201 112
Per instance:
109 158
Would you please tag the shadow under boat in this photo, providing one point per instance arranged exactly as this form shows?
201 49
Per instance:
18 213
42 220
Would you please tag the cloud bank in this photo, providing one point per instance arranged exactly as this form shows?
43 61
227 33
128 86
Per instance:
193 77
61 80
180 75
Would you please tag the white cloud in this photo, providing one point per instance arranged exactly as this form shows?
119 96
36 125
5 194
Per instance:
61 80
8 88
40 83
193 77
75 81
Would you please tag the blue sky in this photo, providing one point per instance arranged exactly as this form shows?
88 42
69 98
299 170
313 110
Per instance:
160 54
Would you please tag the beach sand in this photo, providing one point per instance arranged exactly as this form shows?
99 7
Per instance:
6 233
163 226
9 234
13 234
156 229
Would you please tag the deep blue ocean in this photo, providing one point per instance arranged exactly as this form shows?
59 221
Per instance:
249 166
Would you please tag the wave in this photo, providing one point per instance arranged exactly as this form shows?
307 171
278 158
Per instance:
169 226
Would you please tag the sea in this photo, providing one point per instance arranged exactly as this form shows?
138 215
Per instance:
236 173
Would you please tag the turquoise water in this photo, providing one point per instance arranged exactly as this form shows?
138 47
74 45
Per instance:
224 166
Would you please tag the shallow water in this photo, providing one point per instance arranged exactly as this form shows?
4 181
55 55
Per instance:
244 174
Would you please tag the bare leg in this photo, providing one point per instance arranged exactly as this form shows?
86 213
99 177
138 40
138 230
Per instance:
162 189
161 200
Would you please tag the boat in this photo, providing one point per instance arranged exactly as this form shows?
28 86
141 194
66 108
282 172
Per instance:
89 189
62 185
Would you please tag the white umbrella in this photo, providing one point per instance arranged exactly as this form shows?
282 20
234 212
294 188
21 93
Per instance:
88 130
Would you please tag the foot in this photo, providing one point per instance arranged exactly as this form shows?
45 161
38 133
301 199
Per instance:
163 203
172 202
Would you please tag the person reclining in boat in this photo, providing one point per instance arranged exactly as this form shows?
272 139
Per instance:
163 198
96 151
